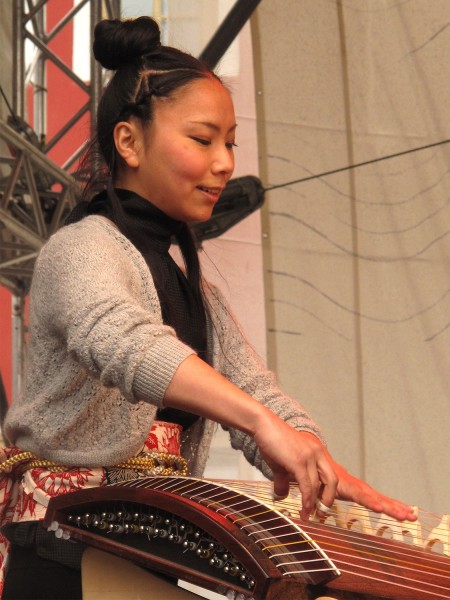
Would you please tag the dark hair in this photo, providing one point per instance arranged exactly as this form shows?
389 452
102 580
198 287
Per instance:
144 70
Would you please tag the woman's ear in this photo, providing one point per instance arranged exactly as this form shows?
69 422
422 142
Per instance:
127 139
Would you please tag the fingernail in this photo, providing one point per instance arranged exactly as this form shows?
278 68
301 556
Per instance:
277 498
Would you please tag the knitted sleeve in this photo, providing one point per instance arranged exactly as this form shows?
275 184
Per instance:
93 289
237 361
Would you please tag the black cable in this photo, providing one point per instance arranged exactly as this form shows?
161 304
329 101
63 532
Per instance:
19 124
6 101
355 166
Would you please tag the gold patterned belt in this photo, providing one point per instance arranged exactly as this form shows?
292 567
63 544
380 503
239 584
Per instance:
156 463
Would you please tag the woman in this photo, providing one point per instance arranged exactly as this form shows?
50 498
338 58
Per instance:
121 340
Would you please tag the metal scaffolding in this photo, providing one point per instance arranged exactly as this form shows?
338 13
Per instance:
35 193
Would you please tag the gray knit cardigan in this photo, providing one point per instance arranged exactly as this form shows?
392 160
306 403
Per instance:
100 357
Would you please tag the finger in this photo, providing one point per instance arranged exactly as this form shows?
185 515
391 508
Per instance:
330 480
362 493
327 486
280 485
308 496
309 484
320 481
322 510
389 506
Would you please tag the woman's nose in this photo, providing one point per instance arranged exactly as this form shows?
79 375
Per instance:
224 161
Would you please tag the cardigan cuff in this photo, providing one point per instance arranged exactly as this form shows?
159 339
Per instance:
307 425
154 374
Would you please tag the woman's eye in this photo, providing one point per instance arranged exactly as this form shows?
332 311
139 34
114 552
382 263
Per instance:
231 145
201 141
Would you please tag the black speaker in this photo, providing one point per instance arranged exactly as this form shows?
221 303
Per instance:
240 198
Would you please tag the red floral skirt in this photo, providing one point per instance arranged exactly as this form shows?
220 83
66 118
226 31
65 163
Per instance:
26 498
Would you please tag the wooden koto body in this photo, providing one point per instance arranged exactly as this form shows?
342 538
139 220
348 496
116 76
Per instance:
230 537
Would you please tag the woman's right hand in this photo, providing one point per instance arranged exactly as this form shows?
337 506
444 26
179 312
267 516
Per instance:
296 456
292 455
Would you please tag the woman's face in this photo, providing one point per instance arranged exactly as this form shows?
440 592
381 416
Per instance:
185 156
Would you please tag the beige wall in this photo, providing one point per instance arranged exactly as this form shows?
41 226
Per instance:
357 264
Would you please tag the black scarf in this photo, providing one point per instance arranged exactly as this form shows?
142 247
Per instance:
152 232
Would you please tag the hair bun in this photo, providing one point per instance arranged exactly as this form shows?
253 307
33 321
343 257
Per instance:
118 42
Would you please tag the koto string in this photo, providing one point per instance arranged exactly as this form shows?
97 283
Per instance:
406 558
429 522
356 166
231 497
292 504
